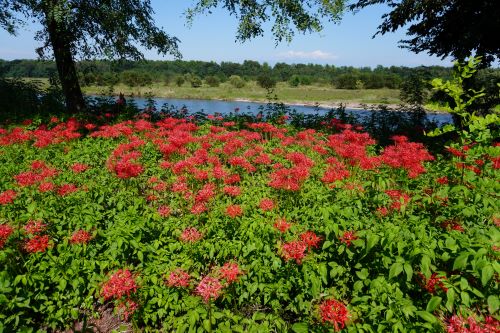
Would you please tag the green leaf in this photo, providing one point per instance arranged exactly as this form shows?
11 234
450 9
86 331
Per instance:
461 261
493 303
486 274
427 316
395 270
300 328
433 303
409 272
450 299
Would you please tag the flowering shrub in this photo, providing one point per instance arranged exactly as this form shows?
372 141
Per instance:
236 226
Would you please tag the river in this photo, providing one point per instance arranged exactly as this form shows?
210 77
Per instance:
226 107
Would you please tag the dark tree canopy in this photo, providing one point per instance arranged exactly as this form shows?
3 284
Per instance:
94 28
287 16
457 28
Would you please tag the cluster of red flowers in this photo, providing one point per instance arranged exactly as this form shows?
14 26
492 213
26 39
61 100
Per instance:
191 235
80 237
122 283
234 211
347 237
459 324
35 227
7 197
230 271
335 313
452 225
37 243
335 172
5 232
79 167
430 284
352 146
209 288
310 239
122 160
164 211
266 204
295 250
39 172
127 308
282 225
406 155
399 199
178 278
42 136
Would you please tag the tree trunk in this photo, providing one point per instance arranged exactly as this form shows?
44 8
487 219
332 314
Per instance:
61 45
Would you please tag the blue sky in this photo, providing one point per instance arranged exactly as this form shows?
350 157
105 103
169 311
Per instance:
212 38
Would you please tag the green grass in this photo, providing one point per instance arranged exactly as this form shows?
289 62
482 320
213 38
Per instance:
300 95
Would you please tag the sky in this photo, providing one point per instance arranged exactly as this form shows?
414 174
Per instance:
212 38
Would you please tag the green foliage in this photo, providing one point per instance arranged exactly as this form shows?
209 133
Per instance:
196 81
303 16
236 81
179 80
458 29
212 81
266 81
471 127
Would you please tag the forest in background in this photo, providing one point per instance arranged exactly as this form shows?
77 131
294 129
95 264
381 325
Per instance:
139 73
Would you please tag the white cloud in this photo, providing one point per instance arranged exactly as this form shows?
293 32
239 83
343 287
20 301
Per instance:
313 55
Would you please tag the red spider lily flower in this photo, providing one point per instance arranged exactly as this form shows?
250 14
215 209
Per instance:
34 227
46 187
5 232
458 324
230 272
430 285
348 237
191 235
442 180
382 211
234 211
80 237
294 250
282 225
178 278
66 189
198 208
127 308
37 244
7 197
121 283
209 287
164 211
455 152
334 312
310 238
452 225
266 204
79 167
406 155
399 199
233 191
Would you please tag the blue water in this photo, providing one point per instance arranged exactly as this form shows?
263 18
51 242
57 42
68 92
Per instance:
226 107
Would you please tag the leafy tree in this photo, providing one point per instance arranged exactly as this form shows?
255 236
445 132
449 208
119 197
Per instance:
179 80
266 81
212 81
196 81
236 81
84 29
457 28
303 15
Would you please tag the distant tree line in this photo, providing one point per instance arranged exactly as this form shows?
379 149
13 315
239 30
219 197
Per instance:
195 73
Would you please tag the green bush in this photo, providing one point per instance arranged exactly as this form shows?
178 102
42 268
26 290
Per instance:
236 81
